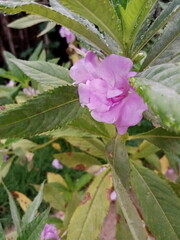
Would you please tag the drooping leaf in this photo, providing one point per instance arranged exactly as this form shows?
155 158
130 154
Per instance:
52 15
27 21
132 18
160 88
77 160
39 114
88 218
32 230
33 208
118 157
164 214
98 15
14 211
46 73
170 34
163 139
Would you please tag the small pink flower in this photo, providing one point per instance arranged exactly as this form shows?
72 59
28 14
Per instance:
57 164
49 232
30 92
171 175
104 88
113 196
65 32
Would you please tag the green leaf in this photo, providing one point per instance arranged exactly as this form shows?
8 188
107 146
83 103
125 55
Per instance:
83 181
49 27
98 15
130 213
46 73
52 15
118 157
92 145
27 21
14 211
53 193
5 95
133 17
33 229
19 75
88 218
4 168
75 159
2 236
33 208
164 214
42 113
160 88
144 36
174 160
163 139
35 55
169 35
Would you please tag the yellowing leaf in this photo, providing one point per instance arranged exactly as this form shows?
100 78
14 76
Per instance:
164 164
54 177
22 199
56 146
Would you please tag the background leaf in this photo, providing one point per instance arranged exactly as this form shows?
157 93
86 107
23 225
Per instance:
163 215
88 218
42 113
2 236
33 229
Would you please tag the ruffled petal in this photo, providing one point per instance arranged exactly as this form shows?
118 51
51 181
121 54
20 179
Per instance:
85 68
115 69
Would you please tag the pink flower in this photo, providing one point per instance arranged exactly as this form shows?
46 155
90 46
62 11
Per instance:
49 232
104 88
113 196
65 32
57 164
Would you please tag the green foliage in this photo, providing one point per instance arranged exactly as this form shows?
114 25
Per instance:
98 15
32 208
2 236
42 113
132 18
159 87
169 35
118 157
34 228
14 211
52 15
163 215
27 21
45 73
88 217
4 168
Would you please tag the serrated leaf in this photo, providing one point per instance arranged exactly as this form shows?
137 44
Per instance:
33 229
169 35
77 159
129 211
14 211
132 18
160 88
39 114
46 73
98 15
52 15
163 139
93 146
118 157
164 214
27 21
88 218
33 208
144 36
